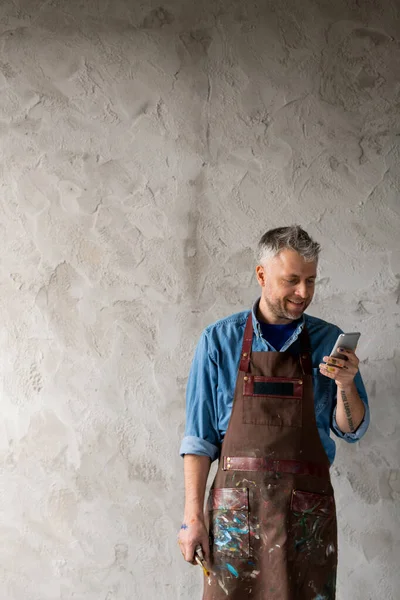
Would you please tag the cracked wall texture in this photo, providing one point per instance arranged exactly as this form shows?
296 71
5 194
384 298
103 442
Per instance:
144 150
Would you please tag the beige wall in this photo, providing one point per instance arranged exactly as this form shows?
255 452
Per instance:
143 152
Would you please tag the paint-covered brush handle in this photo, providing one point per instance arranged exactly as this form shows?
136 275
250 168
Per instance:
199 558
199 552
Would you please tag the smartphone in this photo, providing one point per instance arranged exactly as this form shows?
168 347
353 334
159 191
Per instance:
345 340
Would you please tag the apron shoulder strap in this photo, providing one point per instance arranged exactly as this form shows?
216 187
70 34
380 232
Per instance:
246 346
305 352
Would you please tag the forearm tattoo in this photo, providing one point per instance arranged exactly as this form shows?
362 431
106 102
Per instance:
347 410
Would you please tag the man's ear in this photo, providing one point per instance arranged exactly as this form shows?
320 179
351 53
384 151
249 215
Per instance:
260 274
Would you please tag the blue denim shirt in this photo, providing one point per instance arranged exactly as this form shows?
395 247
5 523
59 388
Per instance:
212 381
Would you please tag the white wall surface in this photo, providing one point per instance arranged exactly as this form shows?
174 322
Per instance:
144 150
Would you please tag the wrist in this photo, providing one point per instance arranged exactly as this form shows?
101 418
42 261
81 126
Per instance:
190 518
345 387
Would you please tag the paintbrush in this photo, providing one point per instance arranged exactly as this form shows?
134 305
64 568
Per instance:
199 558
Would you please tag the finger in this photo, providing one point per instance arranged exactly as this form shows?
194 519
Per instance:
189 552
189 557
349 354
186 552
337 362
328 371
328 368
326 374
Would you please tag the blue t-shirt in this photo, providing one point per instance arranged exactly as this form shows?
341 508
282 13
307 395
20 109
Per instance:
278 335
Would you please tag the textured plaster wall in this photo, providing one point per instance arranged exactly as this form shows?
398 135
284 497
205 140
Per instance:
144 149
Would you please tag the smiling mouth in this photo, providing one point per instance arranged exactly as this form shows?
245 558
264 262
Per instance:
296 303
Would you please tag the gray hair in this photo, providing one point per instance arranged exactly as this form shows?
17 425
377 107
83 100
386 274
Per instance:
292 238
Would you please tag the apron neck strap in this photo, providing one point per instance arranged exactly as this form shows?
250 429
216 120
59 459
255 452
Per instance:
246 346
305 352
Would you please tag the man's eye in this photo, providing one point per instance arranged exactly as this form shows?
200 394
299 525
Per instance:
291 280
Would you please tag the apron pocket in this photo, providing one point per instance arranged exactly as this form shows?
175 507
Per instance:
273 401
313 526
229 522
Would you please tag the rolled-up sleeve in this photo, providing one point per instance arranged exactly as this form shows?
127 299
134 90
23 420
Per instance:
201 431
356 435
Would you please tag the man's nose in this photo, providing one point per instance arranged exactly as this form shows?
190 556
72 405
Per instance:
301 290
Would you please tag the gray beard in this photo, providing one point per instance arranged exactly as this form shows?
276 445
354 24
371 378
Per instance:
280 312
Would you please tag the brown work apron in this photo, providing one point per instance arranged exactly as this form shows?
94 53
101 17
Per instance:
271 509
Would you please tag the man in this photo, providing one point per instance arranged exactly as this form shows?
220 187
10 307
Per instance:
262 396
